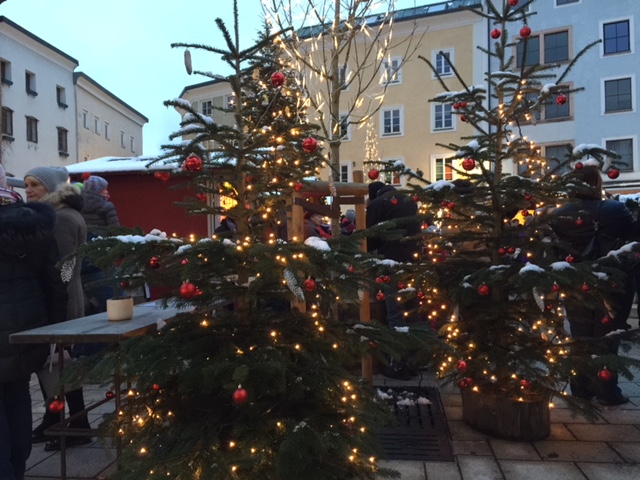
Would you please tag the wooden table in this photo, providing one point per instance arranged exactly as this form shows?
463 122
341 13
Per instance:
147 317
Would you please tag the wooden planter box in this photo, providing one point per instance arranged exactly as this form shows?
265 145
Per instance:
505 418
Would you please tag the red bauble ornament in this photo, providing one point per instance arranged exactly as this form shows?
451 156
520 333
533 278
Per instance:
579 165
109 395
570 258
156 387
56 406
613 173
86 175
561 99
456 105
579 222
513 3
462 366
277 79
511 250
463 104
528 197
164 176
416 198
585 287
468 164
379 279
420 294
525 383
373 174
184 261
373 345
465 382
380 296
451 205
401 286
606 320
193 163
124 284
495 33
484 289
310 285
524 213
386 278
549 306
298 187
502 251
463 118
555 288
394 201
154 262
309 144
240 396
605 375
352 269
202 197
525 31
188 290
444 204
249 178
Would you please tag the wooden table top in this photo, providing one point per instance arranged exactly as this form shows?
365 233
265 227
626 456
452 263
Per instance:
98 329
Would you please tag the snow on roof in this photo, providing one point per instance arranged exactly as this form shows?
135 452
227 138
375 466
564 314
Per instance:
121 164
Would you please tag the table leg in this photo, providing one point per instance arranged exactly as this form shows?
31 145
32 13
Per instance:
63 437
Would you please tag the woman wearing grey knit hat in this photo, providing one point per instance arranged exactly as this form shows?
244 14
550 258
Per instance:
51 185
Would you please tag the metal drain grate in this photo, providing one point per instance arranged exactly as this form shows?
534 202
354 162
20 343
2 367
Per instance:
421 432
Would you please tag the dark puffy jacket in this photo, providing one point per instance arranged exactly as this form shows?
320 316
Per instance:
389 204
97 211
31 291
609 223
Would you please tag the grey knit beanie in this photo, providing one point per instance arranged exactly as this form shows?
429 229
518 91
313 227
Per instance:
95 184
51 177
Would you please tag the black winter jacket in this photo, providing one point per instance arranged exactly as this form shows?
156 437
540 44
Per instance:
389 204
31 291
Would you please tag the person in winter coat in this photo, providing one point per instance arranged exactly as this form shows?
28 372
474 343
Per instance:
604 225
314 227
50 185
348 223
98 212
31 295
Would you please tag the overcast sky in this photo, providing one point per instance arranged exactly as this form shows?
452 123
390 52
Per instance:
124 45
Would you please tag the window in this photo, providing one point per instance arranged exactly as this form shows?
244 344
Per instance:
565 2
96 125
7 122
396 178
443 61
32 129
63 148
442 117
345 74
557 155
5 72
617 95
391 122
556 47
106 131
85 119
443 169
30 83
206 108
531 56
624 148
122 139
346 171
61 97
131 145
229 101
345 128
617 37
392 71
553 110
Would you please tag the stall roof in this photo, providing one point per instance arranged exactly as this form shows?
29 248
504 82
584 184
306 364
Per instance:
121 164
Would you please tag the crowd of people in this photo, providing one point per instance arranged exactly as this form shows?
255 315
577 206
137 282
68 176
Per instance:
57 217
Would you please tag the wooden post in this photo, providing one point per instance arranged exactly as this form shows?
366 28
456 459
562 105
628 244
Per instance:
295 230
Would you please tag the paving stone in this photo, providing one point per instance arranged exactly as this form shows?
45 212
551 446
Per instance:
442 471
605 433
622 416
629 451
453 413
408 470
479 468
471 447
81 463
518 470
461 431
559 431
566 415
559 451
506 450
599 471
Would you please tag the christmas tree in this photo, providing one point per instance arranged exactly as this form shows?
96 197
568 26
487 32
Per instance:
256 378
500 278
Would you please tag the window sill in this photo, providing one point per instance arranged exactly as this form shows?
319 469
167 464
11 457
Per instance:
392 135
63 105
33 93
7 82
8 138
63 154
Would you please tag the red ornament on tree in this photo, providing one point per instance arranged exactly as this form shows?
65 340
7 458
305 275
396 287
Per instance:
613 173
511 250
309 144
585 287
451 205
298 187
606 320
184 261
468 164
570 258
420 294
156 387
502 251
605 375
416 198
484 289
525 383
528 197
86 175
202 197
352 269
277 79
193 163
462 366
188 290
164 176
579 222
525 31
109 395
394 201
154 262
379 279
124 284
495 33
561 99
56 406
463 104
579 165
456 105
373 174
380 296
310 285
240 396
465 382
513 3
463 118
555 288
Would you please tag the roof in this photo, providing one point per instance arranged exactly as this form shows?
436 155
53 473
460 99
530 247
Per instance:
202 84
121 165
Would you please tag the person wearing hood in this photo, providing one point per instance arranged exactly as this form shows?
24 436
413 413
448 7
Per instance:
32 295
97 210
50 185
